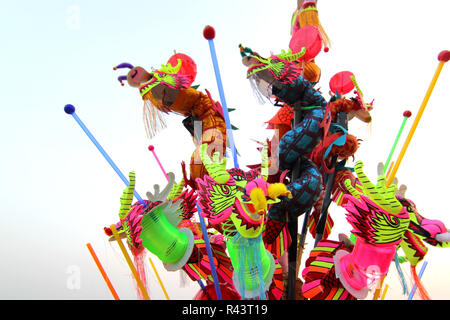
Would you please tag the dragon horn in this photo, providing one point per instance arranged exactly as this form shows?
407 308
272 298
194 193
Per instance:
245 51
289 56
121 78
265 161
124 65
171 70
166 191
121 66
127 197
401 192
215 169
176 191
162 195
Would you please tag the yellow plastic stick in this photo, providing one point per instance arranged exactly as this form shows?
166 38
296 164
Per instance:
102 271
386 287
130 263
159 279
416 122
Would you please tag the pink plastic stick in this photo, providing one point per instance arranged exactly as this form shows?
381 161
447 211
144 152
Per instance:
152 149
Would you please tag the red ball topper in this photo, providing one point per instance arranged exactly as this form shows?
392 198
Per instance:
209 33
188 66
342 83
444 56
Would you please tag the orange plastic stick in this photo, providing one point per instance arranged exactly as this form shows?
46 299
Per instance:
416 122
102 271
386 287
130 263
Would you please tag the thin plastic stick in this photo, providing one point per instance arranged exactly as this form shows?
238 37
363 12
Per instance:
406 117
209 252
386 287
159 279
209 34
377 292
414 288
390 169
70 109
102 271
152 149
416 120
130 263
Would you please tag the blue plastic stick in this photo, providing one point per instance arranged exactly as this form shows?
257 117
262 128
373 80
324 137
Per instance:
202 286
209 252
221 94
70 109
413 290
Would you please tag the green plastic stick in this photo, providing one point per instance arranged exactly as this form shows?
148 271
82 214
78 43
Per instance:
406 115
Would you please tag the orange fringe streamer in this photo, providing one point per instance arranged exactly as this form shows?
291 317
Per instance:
422 291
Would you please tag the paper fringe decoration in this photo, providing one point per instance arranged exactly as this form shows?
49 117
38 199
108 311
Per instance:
153 119
401 275
422 291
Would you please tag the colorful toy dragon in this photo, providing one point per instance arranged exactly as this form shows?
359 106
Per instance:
332 137
173 207
305 15
318 136
346 148
333 270
239 202
383 220
167 90
282 79
235 203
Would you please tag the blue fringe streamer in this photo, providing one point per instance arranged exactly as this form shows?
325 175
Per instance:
401 275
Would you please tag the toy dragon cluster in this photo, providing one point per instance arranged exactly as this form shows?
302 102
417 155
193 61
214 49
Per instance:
231 228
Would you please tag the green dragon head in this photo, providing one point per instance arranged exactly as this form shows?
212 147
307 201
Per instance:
167 75
237 199
281 67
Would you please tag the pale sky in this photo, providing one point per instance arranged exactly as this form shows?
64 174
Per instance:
59 192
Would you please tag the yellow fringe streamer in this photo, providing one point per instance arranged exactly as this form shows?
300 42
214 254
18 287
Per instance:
310 17
153 117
